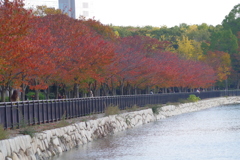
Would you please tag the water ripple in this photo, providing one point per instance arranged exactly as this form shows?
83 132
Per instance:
211 134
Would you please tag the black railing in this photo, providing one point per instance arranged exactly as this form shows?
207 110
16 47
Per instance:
12 114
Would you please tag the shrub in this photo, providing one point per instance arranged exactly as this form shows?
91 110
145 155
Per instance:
25 129
52 96
112 110
6 99
3 133
155 109
193 98
28 131
30 95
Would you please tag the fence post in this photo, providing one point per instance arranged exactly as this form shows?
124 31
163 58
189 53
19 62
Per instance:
12 119
18 116
28 113
6 121
43 105
38 119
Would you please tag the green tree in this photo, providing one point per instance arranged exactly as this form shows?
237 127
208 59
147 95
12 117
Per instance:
123 31
232 20
224 40
199 33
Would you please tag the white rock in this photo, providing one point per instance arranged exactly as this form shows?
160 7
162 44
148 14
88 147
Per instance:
82 126
13 145
2 156
132 122
21 142
39 152
53 132
34 145
29 152
48 135
58 132
15 157
59 149
5 148
41 145
88 136
45 142
55 141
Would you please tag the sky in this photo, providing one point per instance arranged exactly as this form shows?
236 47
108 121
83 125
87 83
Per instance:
159 13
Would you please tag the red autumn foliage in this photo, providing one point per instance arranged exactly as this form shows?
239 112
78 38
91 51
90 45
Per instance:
40 51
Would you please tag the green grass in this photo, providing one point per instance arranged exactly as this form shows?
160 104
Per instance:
112 110
3 133
133 108
28 131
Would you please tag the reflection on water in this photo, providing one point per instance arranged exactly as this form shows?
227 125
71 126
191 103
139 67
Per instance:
212 134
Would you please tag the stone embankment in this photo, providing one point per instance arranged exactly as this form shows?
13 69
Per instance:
52 142
172 110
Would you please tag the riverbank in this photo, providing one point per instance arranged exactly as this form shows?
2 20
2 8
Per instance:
49 143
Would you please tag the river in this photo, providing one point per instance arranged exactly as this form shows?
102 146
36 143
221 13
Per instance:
211 134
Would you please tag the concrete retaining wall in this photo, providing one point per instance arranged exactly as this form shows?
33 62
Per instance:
52 142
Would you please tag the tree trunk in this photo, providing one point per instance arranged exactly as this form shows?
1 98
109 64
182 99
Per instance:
97 92
135 90
179 89
121 87
3 91
3 95
69 94
76 91
23 97
165 90
10 93
56 91
36 94
226 84
128 89
104 89
47 92
113 88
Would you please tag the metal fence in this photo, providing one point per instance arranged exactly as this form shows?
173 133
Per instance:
12 114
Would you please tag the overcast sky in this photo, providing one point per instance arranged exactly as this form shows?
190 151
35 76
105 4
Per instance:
162 12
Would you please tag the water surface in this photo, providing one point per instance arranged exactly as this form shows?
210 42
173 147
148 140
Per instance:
211 134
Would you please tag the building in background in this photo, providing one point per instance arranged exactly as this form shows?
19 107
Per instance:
84 8
67 6
74 8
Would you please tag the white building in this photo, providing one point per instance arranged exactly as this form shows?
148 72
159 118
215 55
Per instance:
74 8
84 8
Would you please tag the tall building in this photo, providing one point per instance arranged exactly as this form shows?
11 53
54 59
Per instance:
67 6
74 8
84 8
